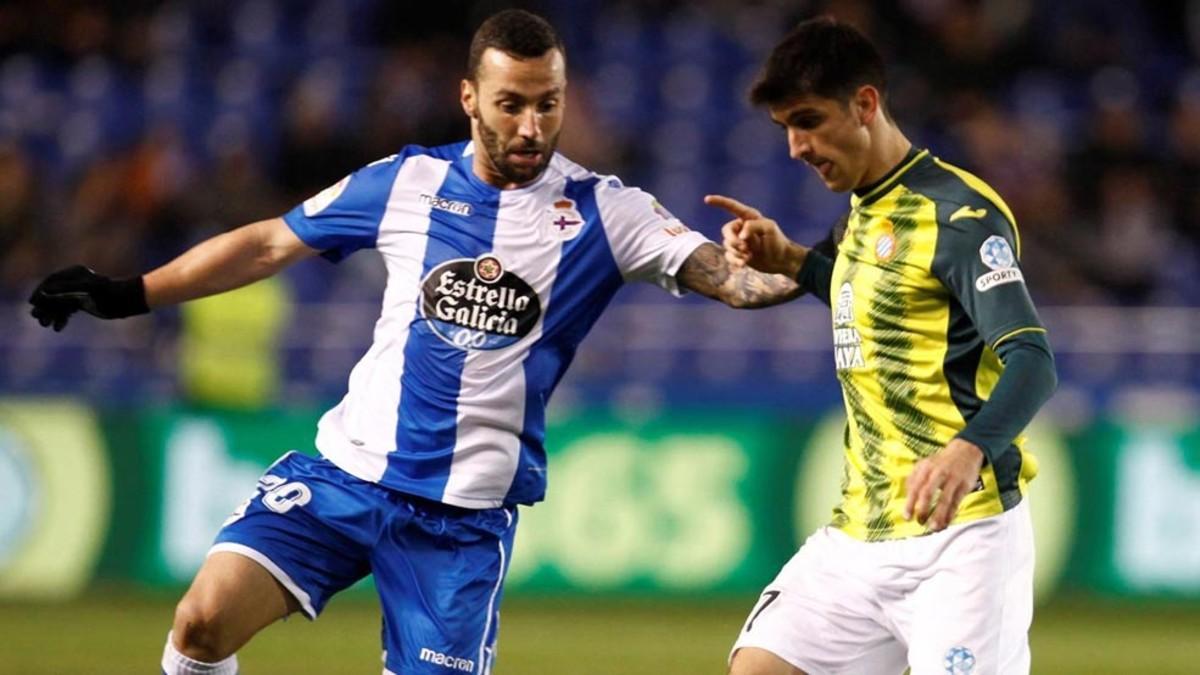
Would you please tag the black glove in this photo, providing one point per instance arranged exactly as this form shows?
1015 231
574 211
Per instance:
67 291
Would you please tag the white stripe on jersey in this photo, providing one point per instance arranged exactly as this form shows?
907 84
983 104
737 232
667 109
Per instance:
366 418
491 410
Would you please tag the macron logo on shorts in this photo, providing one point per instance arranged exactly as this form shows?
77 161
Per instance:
452 662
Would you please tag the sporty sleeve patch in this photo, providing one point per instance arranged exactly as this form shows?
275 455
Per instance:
976 260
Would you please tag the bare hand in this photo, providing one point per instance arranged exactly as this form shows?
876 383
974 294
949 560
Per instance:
755 240
945 478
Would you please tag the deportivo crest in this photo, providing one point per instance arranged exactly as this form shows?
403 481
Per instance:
321 201
996 253
564 220
477 304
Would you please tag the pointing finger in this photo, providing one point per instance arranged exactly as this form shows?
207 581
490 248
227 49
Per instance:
733 206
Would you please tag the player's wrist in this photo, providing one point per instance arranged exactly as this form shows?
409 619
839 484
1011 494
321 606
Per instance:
793 259
969 448
121 298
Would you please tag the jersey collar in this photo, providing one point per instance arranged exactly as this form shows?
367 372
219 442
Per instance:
874 190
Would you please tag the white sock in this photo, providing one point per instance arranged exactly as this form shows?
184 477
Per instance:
174 663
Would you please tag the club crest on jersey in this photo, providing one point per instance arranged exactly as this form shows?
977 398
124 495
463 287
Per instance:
564 220
321 201
885 245
477 304
998 256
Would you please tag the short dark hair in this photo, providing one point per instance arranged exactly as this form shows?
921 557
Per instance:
820 57
515 32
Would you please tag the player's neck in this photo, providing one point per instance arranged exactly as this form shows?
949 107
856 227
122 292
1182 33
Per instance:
488 174
892 148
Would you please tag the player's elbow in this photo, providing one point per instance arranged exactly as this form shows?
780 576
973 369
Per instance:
275 245
1051 375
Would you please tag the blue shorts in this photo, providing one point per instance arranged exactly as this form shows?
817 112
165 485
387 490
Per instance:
439 569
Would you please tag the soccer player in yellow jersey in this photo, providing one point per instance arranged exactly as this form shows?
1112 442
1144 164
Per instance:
928 560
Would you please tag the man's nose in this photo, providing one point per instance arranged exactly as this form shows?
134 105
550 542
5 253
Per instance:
799 144
529 125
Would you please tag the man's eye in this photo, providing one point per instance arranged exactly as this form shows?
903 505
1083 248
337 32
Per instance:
510 108
547 106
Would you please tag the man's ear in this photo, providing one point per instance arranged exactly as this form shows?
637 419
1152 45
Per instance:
866 103
469 99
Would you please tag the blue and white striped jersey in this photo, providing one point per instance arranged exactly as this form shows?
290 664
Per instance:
489 293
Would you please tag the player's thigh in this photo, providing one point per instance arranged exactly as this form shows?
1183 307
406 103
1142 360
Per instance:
439 572
231 599
310 525
819 616
972 614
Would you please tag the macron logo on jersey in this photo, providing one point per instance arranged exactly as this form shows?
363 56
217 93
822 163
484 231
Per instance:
448 205
451 662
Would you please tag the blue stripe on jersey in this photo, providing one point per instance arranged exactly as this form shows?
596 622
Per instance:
586 281
428 410
351 221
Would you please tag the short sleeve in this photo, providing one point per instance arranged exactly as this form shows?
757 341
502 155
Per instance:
977 261
345 216
648 242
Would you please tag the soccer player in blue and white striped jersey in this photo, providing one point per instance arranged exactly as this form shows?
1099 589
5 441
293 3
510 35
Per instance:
501 254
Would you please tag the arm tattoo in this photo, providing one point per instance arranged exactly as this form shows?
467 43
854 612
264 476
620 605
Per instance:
708 273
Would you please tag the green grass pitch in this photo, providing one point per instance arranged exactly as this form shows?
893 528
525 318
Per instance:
114 633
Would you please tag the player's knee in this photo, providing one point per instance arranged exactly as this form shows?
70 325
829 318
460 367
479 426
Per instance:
754 661
198 630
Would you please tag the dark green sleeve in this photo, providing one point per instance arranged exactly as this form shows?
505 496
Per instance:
816 274
1027 382
976 260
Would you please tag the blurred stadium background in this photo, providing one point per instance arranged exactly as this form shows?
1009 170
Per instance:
693 446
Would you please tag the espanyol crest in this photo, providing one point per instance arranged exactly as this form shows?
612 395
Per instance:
996 253
564 220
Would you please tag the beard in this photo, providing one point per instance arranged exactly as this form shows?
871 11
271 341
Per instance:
497 152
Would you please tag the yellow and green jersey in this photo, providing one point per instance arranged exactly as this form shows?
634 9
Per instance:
925 285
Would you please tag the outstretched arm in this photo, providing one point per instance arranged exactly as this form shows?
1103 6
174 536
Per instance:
708 272
220 264
225 262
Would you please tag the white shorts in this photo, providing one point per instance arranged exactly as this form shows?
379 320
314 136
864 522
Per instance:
956 602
